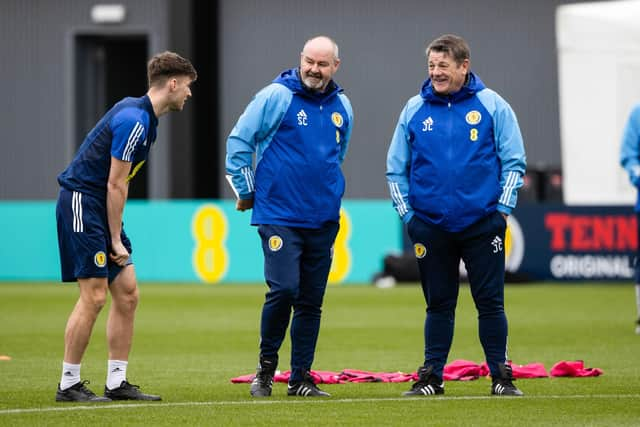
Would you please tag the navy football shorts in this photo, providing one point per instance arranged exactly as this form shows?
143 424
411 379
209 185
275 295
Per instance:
83 237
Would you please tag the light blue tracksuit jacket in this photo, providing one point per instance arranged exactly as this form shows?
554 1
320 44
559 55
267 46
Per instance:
299 138
455 159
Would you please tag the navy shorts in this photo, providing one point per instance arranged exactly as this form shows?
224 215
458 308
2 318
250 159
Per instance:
83 237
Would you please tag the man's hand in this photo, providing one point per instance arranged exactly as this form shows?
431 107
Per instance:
505 216
244 204
119 253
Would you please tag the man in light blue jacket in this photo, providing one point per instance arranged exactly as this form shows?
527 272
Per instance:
299 128
454 166
630 161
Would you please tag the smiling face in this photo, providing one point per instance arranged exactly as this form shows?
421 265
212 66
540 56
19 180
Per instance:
447 76
318 63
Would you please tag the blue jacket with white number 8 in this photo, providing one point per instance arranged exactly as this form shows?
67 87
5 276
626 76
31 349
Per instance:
455 159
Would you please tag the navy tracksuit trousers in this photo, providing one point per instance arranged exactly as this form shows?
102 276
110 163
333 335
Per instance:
296 267
481 247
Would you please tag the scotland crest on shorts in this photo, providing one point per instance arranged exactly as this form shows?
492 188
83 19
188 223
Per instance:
420 250
100 259
275 243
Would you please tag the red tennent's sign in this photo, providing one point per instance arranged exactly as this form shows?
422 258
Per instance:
576 242
588 233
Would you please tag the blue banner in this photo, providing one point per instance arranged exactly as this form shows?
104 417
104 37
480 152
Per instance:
557 242
211 242
195 241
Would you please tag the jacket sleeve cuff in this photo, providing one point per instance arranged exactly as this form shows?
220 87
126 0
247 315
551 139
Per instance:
504 209
407 217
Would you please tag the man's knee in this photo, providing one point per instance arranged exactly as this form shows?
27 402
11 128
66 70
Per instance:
93 294
442 304
489 306
283 294
126 299
96 301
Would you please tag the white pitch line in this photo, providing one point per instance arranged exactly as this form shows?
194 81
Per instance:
298 400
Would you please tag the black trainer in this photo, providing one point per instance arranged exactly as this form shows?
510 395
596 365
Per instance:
128 391
262 384
638 326
503 386
428 383
306 388
79 393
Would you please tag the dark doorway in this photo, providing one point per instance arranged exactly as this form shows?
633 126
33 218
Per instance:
107 69
208 165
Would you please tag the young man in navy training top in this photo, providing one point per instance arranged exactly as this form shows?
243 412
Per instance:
94 248
454 166
298 127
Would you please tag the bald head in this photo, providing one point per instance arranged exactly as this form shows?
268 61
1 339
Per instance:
318 62
322 43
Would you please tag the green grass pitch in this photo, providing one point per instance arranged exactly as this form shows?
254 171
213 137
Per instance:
191 339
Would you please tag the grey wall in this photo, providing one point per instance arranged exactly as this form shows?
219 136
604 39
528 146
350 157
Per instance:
382 47
36 67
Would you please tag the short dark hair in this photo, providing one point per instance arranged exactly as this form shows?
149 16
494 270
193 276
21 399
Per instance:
168 64
452 45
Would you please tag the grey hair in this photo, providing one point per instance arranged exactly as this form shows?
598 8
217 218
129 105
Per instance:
452 45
